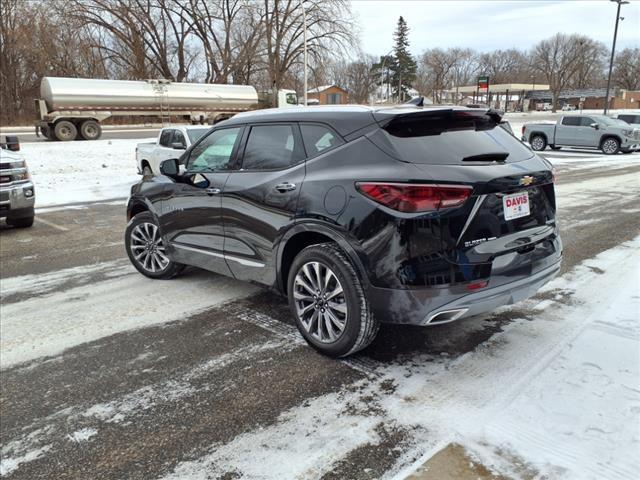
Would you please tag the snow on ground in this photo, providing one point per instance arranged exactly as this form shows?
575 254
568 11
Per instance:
559 392
70 172
48 323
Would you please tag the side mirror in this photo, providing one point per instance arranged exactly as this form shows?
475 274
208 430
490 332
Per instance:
178 146
170 167
595 125
13 143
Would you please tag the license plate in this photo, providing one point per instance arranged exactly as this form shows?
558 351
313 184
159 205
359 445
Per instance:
515 205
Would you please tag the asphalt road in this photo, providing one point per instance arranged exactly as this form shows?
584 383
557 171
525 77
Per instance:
141 402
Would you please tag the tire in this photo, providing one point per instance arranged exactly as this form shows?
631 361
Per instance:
610 146
65 131
46 133
538 143
24 222
348 324
90 130
146 170
145 248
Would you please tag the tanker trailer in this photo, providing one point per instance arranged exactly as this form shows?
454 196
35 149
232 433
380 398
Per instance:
74 107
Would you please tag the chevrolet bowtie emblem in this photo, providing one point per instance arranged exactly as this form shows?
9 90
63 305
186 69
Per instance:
526 180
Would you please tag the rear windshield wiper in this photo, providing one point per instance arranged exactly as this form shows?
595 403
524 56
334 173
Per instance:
487 157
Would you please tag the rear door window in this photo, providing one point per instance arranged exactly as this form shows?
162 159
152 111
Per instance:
318 138
272 147
165 137
571 121
178 137
449 141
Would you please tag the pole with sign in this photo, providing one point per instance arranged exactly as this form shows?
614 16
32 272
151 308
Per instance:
483 85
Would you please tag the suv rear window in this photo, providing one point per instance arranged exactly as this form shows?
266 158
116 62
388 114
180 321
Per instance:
447 140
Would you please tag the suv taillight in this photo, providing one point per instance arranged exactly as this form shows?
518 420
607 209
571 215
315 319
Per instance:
523 129
411 197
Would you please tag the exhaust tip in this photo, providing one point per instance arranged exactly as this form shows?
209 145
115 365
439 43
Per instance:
446 316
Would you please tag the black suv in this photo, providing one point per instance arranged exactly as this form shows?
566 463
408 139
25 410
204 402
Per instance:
357 215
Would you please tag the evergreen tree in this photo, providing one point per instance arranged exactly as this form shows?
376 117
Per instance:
404 66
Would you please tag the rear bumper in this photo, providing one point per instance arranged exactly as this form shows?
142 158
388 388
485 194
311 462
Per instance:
422 306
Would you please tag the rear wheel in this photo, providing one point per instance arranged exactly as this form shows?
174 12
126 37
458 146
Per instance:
146 248
538 143
610 146
65 131
328 302
90 130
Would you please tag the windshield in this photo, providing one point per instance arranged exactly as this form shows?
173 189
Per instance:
605 120
196 133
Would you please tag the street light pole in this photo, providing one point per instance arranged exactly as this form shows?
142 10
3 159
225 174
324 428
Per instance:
613 52
304 21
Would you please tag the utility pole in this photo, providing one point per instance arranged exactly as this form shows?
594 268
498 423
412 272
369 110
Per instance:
613 52
304 21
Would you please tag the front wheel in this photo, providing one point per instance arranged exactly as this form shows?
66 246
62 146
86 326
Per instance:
328 301
24 222
146 248
610 146
538 143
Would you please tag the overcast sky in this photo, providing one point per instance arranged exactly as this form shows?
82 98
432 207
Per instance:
488 25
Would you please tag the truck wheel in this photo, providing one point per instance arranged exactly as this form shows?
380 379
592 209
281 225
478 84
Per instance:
538 143
328 301
610 146
65 131
90 130
146 248
46 133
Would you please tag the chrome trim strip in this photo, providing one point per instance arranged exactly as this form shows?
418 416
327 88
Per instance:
473 213
241 261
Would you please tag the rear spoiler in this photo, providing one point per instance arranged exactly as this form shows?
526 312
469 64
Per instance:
437 120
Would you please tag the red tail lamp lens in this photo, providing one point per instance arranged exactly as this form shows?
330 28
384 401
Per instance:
477 285
411 198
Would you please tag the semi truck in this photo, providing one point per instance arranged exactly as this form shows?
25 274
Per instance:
71 108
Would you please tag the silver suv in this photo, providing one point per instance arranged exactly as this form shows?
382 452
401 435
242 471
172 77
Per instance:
17 194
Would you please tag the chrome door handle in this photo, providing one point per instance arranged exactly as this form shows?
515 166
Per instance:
213 191
286 187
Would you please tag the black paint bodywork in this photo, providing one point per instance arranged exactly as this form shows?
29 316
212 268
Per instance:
411 264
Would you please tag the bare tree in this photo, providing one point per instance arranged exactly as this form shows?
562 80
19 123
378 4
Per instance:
435 72
505 66
558 59
627 69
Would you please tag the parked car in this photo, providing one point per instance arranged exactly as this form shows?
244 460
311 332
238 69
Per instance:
17 194
632 119
170 143
585 131
358 215
567 107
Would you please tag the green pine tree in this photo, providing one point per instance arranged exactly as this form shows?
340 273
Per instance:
404 66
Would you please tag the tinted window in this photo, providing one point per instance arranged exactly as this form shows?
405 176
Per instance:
445 141
196 133
271 147
214 152
629 118
571 121
165 137
178 137
318 138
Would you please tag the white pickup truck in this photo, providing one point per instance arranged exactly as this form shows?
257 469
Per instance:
171 142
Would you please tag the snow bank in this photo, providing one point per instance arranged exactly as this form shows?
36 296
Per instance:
70 172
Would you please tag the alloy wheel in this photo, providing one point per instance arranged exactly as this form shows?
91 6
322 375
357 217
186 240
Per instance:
537 143
610 146
320 302
148 248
